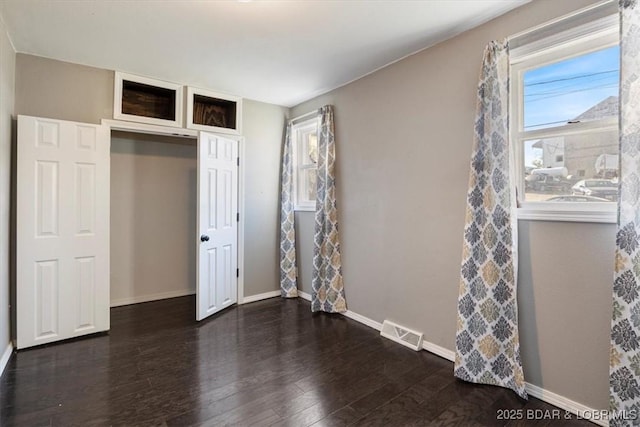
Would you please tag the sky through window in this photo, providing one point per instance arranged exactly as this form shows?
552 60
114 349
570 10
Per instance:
564 91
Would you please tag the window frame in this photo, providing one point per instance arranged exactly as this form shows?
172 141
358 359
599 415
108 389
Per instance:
580 40
297 129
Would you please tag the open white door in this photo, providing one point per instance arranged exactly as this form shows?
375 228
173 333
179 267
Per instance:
62 241
217 285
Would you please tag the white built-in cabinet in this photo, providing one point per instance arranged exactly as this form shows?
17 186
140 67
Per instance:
144 100
150 101
213 111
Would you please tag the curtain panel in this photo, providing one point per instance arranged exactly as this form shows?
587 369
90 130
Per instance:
288 266
327 287
487 341
624 373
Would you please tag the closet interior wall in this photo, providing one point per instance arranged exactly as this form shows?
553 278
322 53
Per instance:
153 217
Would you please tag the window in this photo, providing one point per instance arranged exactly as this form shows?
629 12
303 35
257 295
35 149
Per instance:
565 123
305 159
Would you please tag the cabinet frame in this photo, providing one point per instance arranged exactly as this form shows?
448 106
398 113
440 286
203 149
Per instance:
192 92
118 93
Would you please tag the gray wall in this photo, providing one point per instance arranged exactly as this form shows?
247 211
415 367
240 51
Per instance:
404 136
60 90
64 91
153 217
263 128
7 68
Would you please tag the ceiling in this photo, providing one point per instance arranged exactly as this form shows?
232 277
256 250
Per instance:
281 52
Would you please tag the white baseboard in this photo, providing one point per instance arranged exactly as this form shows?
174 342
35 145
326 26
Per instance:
4 360
304 295
445 353
350 314
565 403
260 297
535 391
151 297
362 319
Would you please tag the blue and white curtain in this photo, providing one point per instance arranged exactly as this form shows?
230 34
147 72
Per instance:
288 266
624 374
328 289
487 340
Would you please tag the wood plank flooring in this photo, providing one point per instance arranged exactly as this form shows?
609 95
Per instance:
269 363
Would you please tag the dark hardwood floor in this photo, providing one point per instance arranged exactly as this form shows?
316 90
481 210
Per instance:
262 364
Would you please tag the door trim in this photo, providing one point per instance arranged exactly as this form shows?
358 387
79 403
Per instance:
241 177
142 128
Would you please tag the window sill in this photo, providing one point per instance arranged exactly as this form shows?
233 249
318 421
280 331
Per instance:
569 212
304 208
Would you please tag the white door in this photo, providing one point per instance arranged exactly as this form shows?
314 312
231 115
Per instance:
62 230
217 242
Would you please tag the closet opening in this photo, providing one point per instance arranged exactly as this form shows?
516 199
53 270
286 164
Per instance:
153 217
126 213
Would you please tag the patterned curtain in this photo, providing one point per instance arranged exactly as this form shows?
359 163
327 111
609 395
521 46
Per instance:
328 290
288 267
624 373
487 342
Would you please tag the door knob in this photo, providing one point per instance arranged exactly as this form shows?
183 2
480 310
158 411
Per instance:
204 238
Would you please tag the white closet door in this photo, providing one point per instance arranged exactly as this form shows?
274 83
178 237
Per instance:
217 285
62 241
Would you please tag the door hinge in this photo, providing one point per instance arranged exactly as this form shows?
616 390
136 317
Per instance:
237 272
238 161
238 217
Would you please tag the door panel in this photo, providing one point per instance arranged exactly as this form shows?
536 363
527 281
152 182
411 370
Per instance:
217 224
212 200
228 270
47 299
85 203
85 281
62 245
48 206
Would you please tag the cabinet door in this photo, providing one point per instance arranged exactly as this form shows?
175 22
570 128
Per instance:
62 226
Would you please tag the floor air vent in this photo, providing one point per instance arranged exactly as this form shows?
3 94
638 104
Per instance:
399 334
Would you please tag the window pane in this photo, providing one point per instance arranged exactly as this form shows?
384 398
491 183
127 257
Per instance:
579 89
310 176
305 138
574 168
310 149
307 185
